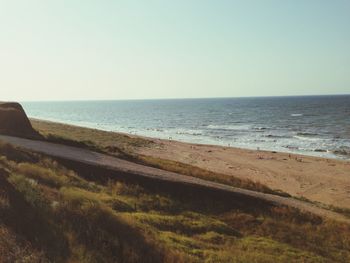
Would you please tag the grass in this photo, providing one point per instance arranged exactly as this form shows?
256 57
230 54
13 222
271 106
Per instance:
13 249
340 210
49 213
113 142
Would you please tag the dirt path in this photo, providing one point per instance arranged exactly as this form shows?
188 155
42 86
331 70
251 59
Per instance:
119 165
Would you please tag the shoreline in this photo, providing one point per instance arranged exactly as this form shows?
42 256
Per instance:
318 179
316 153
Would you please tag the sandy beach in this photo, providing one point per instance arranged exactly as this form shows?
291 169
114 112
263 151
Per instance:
317 179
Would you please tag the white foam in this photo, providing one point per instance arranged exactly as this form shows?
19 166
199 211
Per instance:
230 127
189 132
307 138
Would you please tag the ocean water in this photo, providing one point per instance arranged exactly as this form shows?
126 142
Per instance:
312 125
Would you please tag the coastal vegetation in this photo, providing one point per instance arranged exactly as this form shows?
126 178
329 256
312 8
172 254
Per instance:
50 213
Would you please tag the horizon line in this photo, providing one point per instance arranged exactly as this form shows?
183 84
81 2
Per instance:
186 98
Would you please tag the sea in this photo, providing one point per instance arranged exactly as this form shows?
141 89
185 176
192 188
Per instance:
309 125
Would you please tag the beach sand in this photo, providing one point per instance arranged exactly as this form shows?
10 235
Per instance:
317 179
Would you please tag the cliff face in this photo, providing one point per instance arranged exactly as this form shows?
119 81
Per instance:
14 121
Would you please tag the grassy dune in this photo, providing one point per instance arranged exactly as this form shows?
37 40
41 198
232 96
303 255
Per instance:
49 213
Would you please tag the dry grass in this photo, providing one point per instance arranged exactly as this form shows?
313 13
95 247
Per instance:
12 249
71 219
90 137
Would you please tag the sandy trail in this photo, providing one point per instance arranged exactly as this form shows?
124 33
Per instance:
119 165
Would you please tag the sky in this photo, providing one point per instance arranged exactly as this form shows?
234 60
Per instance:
104 49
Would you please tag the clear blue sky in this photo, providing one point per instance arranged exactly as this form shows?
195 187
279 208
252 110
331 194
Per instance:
70 49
